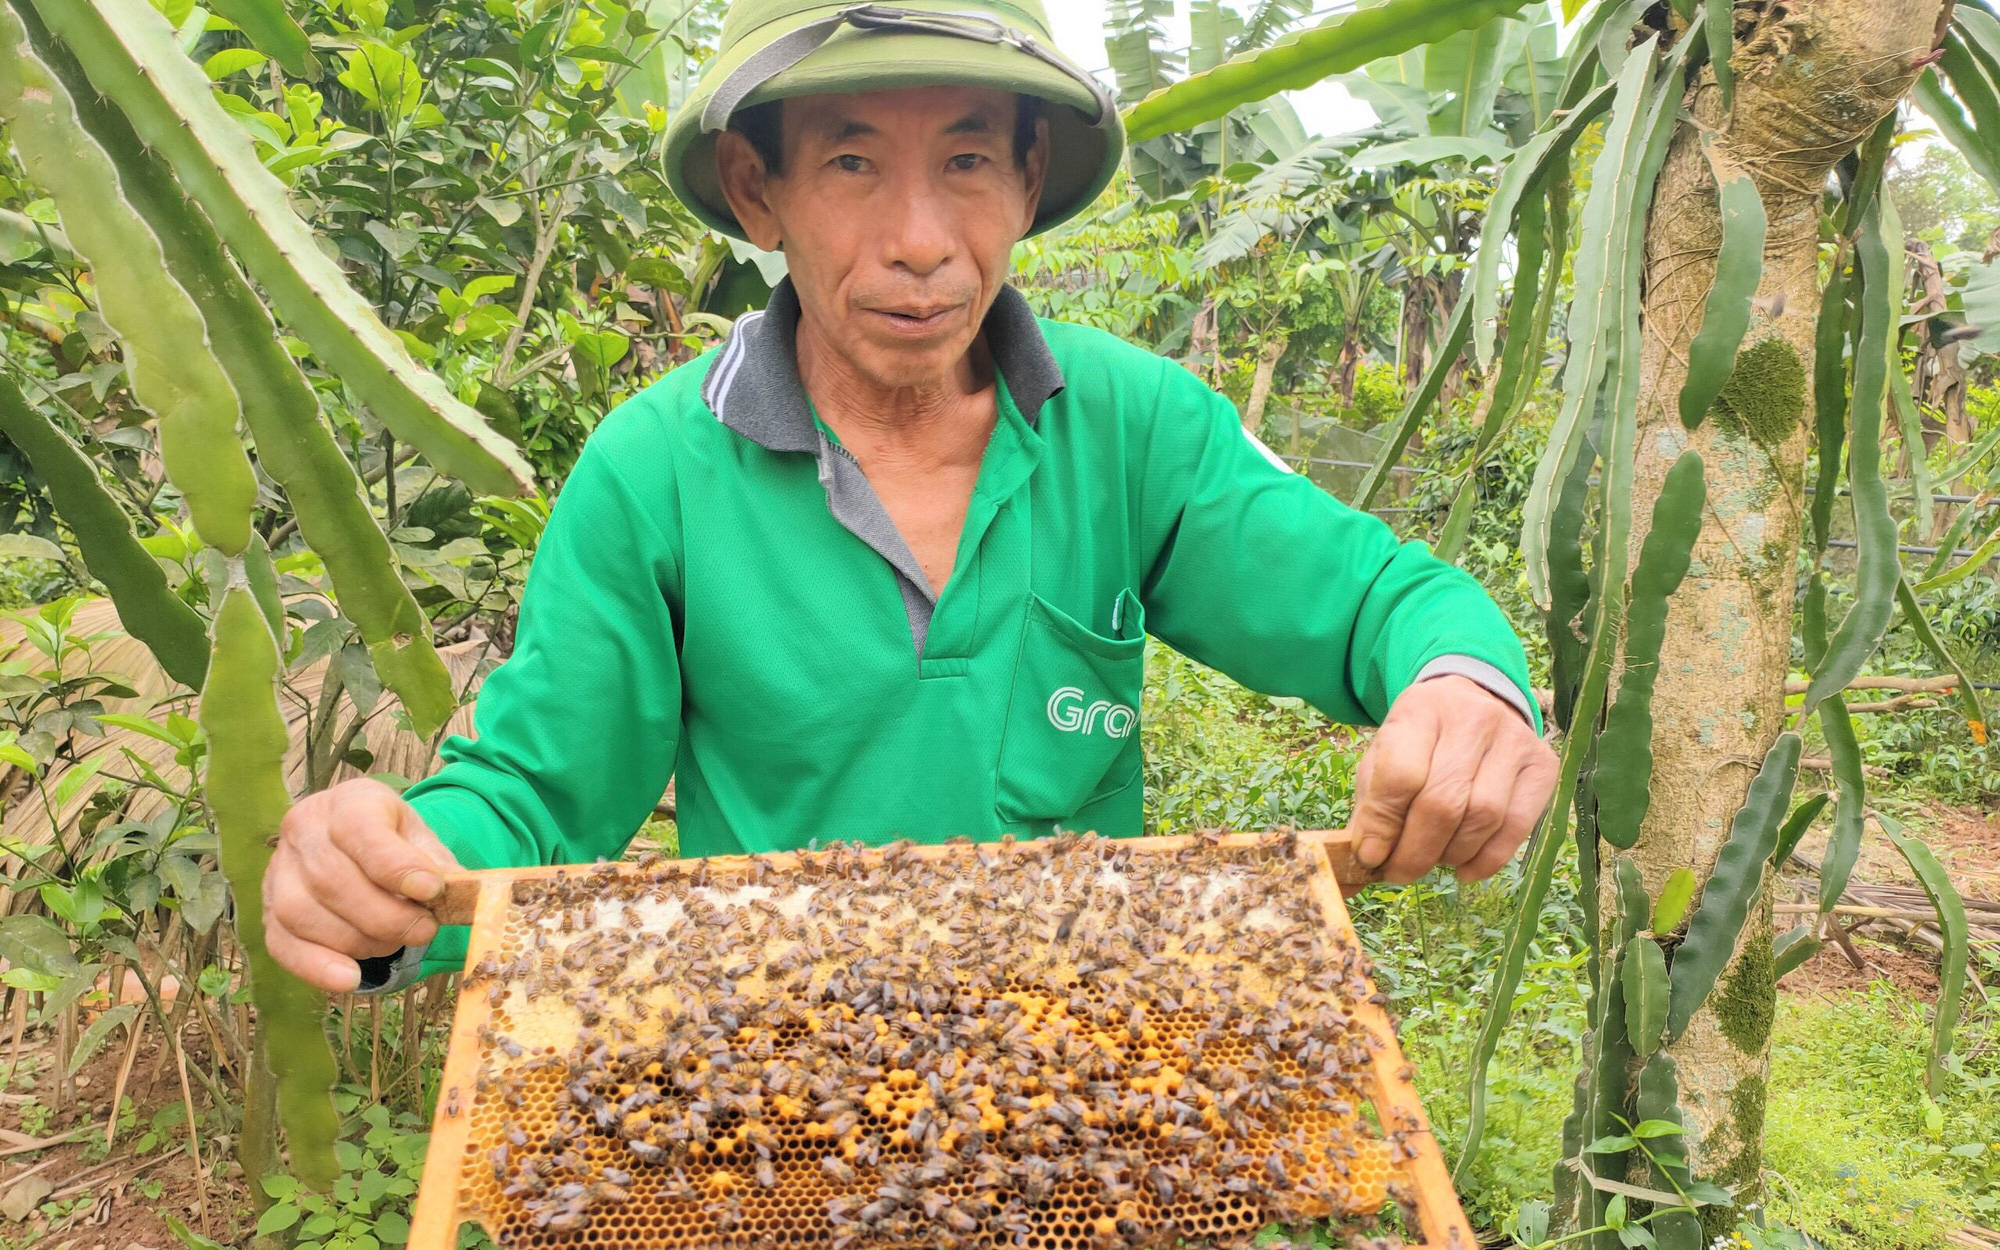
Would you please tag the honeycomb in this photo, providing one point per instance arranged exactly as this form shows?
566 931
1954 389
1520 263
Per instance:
1049 1045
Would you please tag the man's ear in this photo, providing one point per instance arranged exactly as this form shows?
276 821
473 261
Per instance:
1035 175
746 185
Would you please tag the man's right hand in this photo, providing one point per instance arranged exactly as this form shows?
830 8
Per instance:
353 866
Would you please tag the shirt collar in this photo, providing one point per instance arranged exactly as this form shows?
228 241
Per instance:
754 387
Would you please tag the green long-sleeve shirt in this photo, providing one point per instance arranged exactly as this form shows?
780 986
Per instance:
720 597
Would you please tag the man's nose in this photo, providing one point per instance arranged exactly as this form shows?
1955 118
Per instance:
917 227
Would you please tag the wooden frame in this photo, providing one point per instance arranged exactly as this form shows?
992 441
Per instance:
482 900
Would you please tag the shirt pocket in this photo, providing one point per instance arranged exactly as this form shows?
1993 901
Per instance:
1073 713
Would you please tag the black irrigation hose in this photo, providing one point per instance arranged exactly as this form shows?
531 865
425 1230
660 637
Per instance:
1958 554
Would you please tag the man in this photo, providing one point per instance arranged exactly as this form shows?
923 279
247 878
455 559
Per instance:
884 564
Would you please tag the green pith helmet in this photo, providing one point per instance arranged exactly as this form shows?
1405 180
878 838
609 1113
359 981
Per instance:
774 49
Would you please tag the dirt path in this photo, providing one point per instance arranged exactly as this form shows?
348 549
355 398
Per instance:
1965 840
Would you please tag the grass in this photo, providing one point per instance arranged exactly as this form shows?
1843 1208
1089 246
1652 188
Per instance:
1858 1154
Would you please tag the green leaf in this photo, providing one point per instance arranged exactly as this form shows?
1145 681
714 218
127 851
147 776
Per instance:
277 1218
1830 336
139 725
1531 1223
232 61
1429 149
191 1239
1617 1143
1658 1103
1967 135
1672 905
1465 69
1528 314
1655 123
1649 1129
36 944
1732 885
371 1186
1342 43
1739 267
1708 1193
29 547
92 1039
269 28
1950 909
1636 1237
1645 983
1981 296
387 79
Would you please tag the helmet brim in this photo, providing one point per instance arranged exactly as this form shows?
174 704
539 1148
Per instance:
1083 154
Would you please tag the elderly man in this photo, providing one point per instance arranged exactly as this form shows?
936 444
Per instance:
884 564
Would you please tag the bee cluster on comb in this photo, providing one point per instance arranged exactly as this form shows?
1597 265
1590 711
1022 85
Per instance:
1049 1045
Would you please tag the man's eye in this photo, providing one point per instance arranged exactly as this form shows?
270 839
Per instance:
967 161
850 163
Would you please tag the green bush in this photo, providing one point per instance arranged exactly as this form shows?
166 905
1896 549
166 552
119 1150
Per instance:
1219 756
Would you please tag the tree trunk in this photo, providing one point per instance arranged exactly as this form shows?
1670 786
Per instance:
1349 368
1204 342
1260 383
1416 333
1811 81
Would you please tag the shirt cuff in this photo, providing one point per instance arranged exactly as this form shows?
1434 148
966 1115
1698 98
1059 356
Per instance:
388 973
1485 676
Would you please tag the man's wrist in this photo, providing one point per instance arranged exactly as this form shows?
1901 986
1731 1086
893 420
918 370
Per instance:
1486 676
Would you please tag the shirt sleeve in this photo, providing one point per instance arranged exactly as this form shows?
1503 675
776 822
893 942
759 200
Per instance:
1263 575
578 730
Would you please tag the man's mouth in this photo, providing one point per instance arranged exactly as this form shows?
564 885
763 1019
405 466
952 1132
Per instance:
915 321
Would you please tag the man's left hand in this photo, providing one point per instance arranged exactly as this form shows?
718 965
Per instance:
1455 777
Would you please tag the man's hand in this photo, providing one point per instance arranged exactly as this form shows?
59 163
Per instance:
352 866
1454 776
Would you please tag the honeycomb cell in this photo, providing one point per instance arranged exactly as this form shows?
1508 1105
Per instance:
1056 1045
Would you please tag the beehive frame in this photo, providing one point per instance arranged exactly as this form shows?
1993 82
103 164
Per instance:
486 901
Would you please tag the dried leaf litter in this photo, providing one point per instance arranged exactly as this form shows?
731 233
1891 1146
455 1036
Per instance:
1054 1045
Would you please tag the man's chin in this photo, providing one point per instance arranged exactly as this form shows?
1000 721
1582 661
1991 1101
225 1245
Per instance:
901 363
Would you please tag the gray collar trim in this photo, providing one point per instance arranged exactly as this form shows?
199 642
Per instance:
754 387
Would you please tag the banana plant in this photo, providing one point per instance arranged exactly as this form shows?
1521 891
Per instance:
164 201
1702 360
1170 165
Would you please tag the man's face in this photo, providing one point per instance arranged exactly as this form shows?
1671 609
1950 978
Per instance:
898 212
